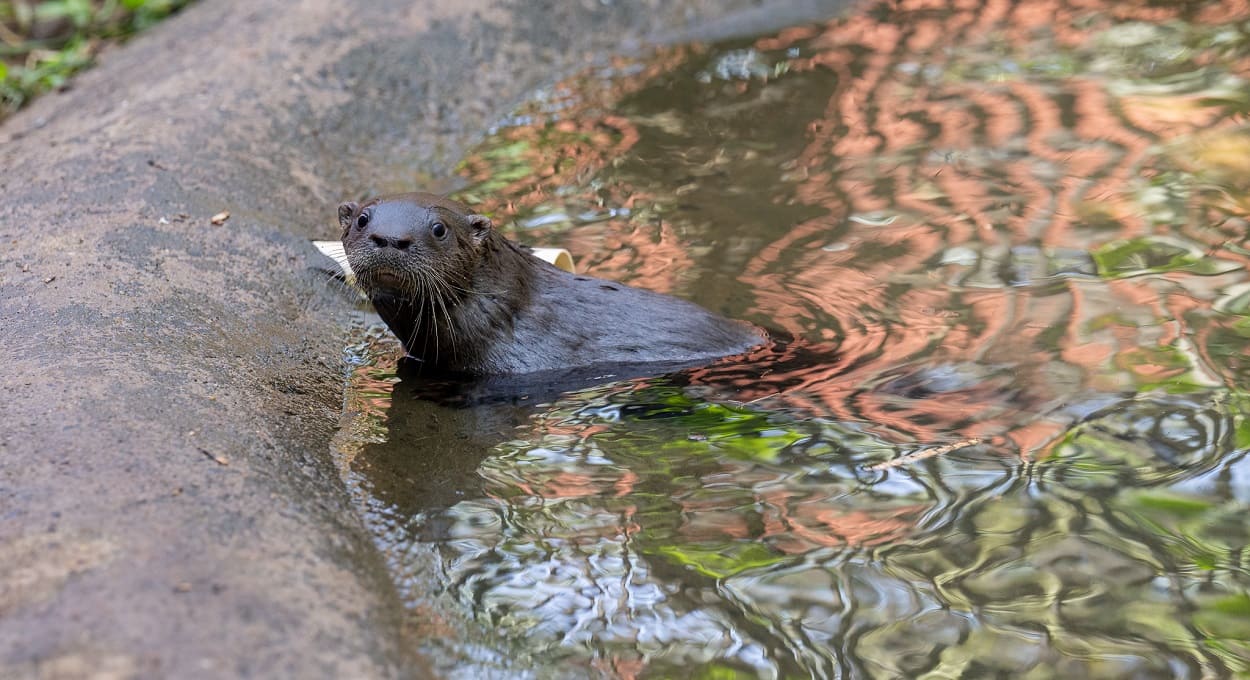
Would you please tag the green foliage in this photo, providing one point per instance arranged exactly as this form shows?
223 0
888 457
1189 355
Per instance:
45 43
1154 255
48 73
1197 531
718 671
78 12
721 561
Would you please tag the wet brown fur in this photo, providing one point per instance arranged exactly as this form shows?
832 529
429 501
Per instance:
475 302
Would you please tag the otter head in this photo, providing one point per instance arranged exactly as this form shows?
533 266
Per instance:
413 246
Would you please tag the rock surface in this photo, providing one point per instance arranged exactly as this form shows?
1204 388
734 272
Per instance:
168 503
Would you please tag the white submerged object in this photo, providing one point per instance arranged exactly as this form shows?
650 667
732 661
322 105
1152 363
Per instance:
334 250
557 256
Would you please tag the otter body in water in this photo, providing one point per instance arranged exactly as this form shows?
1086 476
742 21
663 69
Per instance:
463 298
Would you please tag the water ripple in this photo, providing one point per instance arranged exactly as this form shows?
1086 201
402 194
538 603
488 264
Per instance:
1000 430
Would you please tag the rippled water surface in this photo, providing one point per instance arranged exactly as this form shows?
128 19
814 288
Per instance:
1010 438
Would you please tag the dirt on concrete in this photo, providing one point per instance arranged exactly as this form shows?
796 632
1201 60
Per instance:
169 386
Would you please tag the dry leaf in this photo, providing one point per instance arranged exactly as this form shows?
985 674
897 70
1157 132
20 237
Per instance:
220 460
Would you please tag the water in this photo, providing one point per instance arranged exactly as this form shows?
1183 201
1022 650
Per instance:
1010 437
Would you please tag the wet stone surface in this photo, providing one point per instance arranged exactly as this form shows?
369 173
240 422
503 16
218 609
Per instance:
1009 438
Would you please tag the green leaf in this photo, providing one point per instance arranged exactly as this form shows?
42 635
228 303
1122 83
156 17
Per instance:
1241 436
78 12
1227 618
1168 368
1155 255
721 561
1176 505
721 672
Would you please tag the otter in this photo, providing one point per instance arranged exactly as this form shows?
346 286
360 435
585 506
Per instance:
464 299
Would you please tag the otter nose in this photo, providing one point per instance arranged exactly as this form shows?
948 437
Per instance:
390 242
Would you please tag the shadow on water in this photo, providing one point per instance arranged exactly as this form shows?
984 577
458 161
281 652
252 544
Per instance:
1009 436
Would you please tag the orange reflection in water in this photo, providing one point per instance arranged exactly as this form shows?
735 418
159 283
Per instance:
968 170
955 162
986 127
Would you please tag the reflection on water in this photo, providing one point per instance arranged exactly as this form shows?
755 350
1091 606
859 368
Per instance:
1009 438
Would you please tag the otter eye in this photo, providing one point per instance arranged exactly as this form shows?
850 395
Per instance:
438 229
362 220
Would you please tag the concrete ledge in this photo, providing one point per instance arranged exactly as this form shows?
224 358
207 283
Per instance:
168 505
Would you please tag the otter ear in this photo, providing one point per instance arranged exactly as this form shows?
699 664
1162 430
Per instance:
480 228
346 210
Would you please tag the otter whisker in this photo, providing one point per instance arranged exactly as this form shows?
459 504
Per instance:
461 289
430 295
420 322
338 281
413 291
451 326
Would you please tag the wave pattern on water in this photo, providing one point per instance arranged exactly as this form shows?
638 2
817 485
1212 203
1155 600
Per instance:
1002 430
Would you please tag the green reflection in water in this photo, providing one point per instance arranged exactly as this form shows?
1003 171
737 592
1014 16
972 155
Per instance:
1010 438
